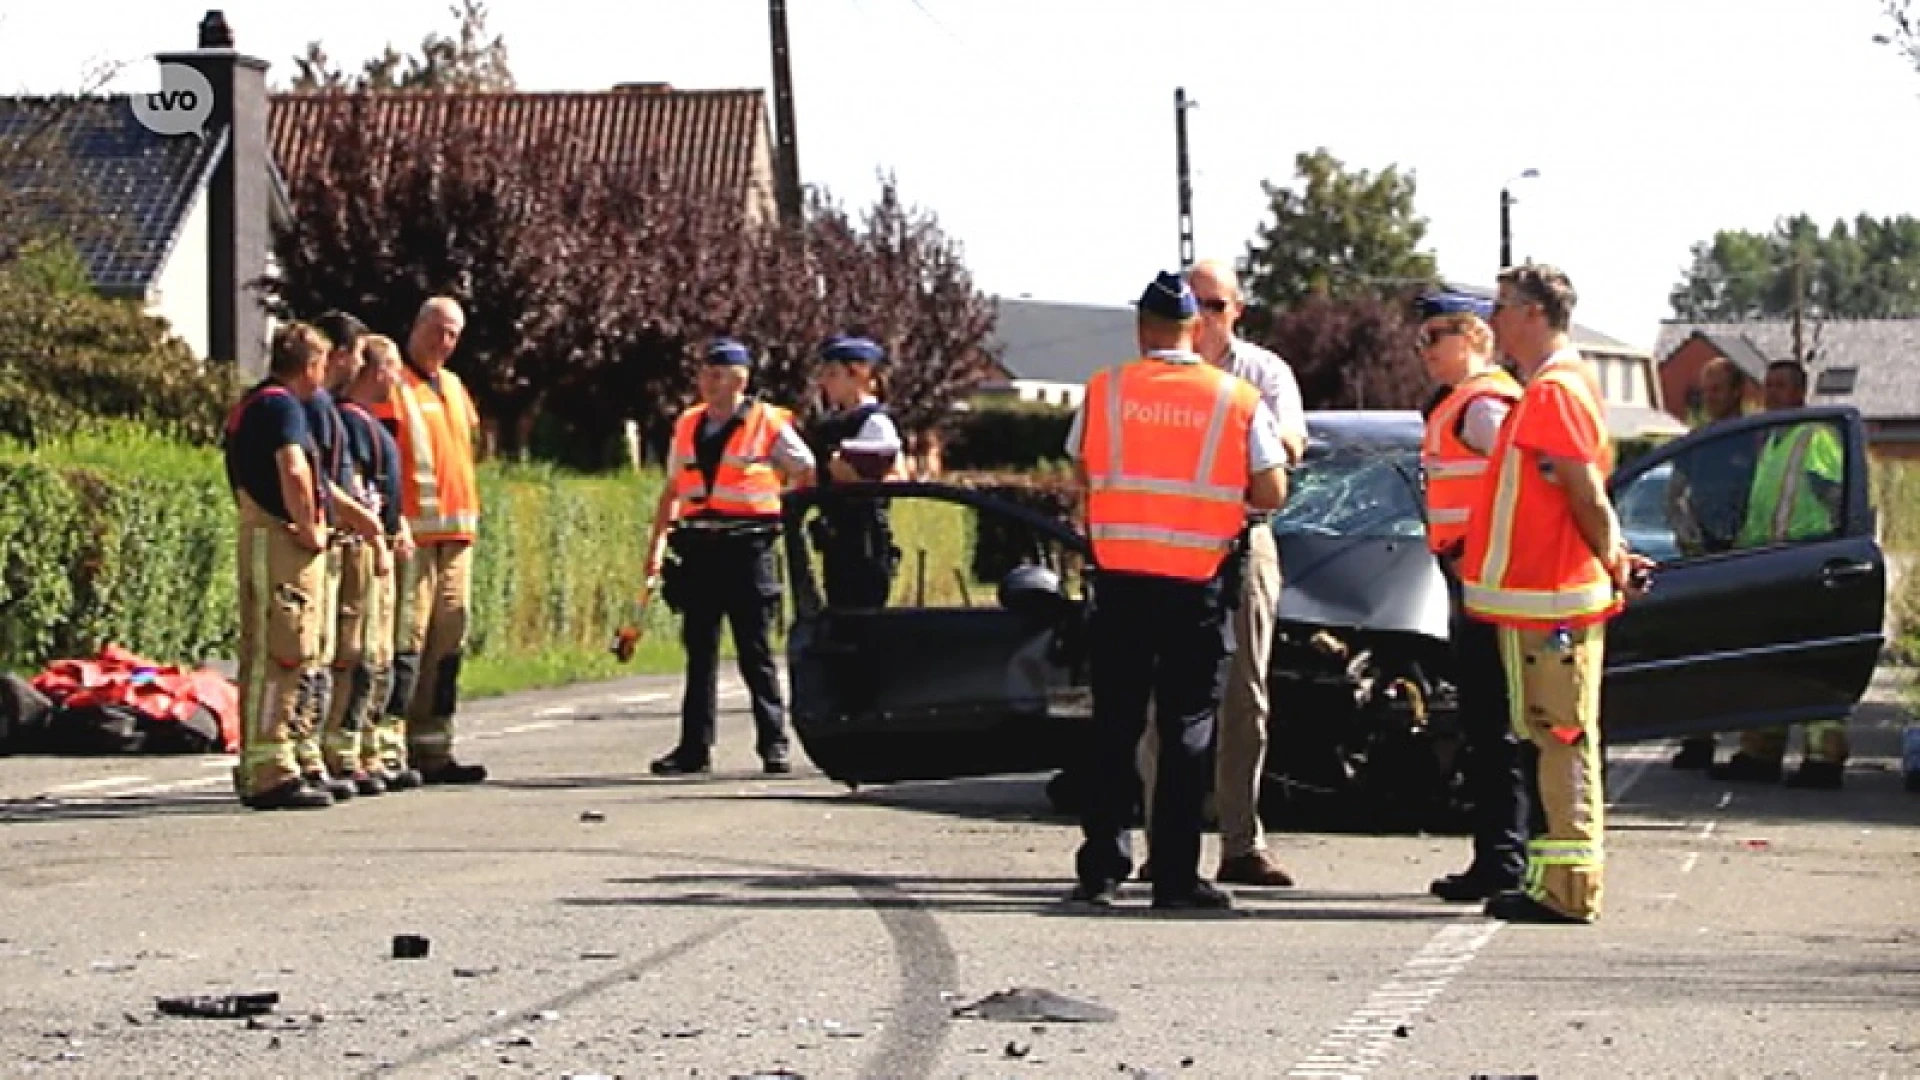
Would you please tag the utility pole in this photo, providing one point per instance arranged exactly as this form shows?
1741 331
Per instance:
1180 107
1799 305
1506 228
786 156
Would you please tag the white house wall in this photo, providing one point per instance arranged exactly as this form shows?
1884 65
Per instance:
179 294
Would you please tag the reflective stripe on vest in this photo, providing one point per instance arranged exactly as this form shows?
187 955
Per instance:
1454 470
427 517
746 484
1162 499
1555 594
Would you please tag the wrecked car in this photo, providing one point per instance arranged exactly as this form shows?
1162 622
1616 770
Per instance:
1732 635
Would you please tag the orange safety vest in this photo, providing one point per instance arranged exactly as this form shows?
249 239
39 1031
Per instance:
746 484
1165 450
438 493
1455 471
1526 564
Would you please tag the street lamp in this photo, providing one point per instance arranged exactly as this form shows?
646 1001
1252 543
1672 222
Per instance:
1506 216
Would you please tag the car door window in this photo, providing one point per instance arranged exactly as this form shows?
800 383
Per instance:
1750 488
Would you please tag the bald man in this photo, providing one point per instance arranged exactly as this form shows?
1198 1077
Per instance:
436 425
1241 750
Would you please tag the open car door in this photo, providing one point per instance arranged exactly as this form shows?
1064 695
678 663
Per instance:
978 686
1767 605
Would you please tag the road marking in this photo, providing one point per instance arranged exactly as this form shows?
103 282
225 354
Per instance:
1361 1042
1707 829
179 785
639 699
227 762
1725 798
96 785
544 725
1693 860
1637 762
555 710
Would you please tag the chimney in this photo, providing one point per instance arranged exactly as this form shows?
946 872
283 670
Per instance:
240 199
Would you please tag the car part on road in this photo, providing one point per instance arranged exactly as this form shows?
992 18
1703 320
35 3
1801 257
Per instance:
1028 1005
219 1006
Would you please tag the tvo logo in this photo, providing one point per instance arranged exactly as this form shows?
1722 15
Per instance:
181 105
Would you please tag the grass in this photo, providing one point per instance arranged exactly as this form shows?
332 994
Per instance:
1896 492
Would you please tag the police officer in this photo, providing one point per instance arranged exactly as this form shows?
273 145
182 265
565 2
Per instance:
1545 560
273 469
719 510
1457 345
1170 451
346 510
857 441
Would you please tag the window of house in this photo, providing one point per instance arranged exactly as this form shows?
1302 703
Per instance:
1837 380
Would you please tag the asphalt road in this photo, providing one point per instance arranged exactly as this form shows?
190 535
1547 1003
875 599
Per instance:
587 920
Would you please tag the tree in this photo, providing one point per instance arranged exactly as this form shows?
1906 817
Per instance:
44 198
1342 233
1863 270
468 60
1905 35
1352 352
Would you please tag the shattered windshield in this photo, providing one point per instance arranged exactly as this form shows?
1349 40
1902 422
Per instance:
1360 492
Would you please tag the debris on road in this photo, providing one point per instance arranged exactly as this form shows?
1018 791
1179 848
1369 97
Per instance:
1018 1049
219 1006
599 954
475 972
592 817
410 947
1028 1005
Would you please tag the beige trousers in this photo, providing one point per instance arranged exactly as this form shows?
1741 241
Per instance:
1555 695
1240 751
280 626
440 594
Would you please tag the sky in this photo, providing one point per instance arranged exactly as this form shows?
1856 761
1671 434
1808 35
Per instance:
1041 132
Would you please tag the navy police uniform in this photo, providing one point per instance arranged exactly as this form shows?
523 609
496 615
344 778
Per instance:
854 535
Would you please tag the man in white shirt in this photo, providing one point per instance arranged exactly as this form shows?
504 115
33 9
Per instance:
1241 751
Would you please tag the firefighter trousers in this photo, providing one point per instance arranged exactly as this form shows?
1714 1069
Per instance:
1826 743
432 636
1553 684
316 684
280 584
363 640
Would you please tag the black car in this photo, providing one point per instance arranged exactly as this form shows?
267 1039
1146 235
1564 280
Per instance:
1735 633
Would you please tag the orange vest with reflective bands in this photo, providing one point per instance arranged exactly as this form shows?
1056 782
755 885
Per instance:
438 493
1165 450
1455 471
1526 564
746 484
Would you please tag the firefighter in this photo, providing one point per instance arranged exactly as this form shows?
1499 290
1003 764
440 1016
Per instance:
352 525
1797 485
1169 450
1546 562
273 469
436 426
719 511
363 650
1457 345
856 441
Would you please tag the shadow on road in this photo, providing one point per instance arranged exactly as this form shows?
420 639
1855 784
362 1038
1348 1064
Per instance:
26 811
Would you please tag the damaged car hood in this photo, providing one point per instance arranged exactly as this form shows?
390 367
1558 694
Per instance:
1387 584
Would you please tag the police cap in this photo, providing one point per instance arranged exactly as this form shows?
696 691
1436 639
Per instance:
1435 305
1168 297
726 352
844 349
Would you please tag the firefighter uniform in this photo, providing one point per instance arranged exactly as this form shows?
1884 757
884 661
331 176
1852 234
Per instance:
855 538
434 423
1786 506
1492 773
1167 445
336 468
280 581
1528 569
725 477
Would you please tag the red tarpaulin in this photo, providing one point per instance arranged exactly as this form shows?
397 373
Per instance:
160 692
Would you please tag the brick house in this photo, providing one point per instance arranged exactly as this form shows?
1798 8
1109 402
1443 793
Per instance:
1867 363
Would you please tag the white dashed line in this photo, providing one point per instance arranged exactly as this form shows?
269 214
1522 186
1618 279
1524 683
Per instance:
640 699
1362 1041
1707 829
1693 860
555 710
220 763
544 725
96 785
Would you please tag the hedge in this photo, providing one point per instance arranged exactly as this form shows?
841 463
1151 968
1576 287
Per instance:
1006 436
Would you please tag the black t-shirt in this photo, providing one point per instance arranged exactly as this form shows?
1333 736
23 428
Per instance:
268 418
376 457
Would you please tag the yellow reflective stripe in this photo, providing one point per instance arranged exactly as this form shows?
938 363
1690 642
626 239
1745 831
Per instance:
1149 486
1447 515
1790 483
426 484
1538 604
1506 499
1116 425
1455 470
1152 534
745 494
1216 425
1512 661
440 525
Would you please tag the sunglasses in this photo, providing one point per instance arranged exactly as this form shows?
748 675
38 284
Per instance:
1213 304
1429 338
